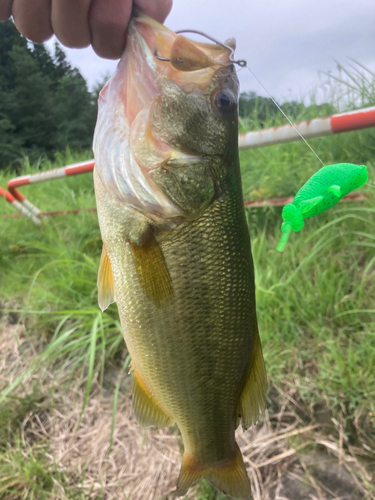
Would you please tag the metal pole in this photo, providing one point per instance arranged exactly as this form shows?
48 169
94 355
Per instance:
48 175
344 122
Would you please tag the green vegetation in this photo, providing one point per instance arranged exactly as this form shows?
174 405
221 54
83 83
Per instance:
315 300
259 111
27 473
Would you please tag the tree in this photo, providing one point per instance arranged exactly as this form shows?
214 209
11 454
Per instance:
9 38
32 103
76 112
45 105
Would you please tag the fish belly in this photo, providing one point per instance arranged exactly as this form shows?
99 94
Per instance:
193 353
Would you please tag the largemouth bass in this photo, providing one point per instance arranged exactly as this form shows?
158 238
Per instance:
176 251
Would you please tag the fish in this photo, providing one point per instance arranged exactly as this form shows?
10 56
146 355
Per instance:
176 252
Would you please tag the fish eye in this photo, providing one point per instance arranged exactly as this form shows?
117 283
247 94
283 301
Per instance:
223 100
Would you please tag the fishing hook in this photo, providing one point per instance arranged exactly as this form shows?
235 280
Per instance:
240 62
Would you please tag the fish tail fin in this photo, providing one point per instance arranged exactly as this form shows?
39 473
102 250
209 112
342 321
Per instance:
228 476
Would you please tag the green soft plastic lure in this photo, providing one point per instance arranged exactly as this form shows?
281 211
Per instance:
323 190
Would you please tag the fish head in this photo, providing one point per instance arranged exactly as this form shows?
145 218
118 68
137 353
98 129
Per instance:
168 122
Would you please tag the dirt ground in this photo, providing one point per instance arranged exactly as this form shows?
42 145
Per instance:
290 455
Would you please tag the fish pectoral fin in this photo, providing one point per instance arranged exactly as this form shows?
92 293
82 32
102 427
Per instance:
228 476
253 397
106 283
152 272
146 409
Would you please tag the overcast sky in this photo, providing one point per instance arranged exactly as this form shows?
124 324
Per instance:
287 43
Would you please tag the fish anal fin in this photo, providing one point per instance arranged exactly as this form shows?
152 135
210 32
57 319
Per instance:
152 271
105 283
146 409
253 397
228 476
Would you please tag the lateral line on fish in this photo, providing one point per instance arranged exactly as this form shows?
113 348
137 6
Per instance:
285 115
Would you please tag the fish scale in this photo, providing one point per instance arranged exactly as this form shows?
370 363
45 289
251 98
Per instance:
206 320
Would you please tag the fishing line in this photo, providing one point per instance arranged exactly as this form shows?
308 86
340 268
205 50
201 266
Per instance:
279 108
243 64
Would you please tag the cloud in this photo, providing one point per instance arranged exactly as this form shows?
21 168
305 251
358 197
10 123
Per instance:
286 43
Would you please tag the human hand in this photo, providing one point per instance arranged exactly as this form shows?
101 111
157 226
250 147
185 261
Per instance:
79 23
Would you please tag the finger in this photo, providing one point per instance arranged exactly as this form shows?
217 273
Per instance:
70 22
5 9
108 21
157 9
33 19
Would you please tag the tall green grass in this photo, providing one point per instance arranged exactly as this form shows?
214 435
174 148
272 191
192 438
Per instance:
315 300
48 274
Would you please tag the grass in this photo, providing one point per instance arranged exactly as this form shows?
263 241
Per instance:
51 275
27 473
315 302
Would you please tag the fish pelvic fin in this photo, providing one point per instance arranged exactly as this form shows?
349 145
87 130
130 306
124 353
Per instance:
228 476
146 409
152 271
253 397
106 283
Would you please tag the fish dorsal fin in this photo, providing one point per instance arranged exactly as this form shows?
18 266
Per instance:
152 270
146 410
106 283
253 397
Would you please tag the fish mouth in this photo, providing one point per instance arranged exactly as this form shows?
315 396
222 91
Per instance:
183 54
155 53
127 148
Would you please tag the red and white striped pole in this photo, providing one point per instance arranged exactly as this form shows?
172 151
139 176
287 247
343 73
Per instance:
344 122
57 173
19 206
317 127
48 175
